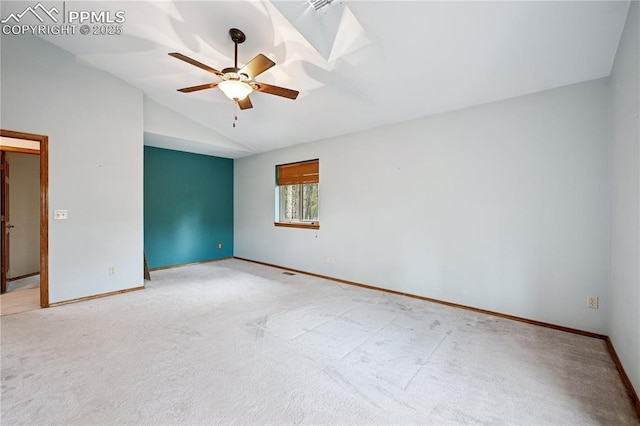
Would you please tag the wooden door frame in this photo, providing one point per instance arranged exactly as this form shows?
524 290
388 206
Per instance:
44 202
4 218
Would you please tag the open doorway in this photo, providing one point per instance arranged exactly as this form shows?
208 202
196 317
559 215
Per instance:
22 273
22 173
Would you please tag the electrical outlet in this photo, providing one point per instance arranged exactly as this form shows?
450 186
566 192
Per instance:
60 215
219 246
112 271
592 302
329 259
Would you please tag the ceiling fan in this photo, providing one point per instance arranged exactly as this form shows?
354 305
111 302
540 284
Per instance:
237 83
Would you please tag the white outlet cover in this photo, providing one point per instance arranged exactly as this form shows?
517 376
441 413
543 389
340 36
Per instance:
60 214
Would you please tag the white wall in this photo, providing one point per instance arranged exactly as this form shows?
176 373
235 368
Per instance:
502 207
24 212
624 318
95 126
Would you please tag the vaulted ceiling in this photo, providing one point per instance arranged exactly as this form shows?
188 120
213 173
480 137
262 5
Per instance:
357 64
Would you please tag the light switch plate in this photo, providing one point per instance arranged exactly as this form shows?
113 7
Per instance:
60 214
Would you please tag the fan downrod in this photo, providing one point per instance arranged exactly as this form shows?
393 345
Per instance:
238 37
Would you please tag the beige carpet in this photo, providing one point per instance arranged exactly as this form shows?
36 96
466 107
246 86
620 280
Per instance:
234 342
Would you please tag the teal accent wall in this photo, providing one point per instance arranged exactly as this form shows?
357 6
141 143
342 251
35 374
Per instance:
188 207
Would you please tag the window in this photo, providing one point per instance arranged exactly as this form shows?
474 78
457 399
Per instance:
297 194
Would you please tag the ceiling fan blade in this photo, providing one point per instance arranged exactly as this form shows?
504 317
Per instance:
196 63
275 90
257 66
245 103
200 87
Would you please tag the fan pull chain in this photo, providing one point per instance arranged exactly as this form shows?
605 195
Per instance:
235 117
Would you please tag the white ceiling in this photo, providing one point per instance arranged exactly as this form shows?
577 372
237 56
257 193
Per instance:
357 64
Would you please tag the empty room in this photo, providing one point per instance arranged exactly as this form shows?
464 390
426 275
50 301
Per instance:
320 212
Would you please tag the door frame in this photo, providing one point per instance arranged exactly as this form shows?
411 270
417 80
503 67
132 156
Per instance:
4 218
44 202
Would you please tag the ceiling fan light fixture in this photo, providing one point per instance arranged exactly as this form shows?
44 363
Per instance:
237 83
235 89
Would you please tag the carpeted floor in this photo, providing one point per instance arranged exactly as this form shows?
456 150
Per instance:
235 342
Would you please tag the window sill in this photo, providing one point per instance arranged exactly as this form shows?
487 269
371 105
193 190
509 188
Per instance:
304 225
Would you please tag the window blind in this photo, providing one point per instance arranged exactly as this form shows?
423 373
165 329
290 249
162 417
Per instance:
298 173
